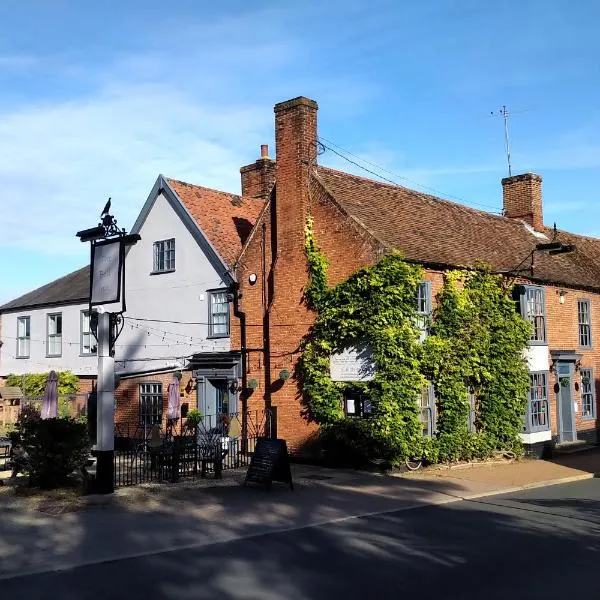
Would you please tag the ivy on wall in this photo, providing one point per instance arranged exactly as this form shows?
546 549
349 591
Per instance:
375 309
476 344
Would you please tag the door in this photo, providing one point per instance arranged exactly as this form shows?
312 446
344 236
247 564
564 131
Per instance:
566 416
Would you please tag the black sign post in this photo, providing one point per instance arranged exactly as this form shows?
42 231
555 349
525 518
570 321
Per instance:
270 462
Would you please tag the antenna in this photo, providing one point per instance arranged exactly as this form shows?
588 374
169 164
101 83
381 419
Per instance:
503 112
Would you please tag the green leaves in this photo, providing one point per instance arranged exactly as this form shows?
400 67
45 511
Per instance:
477 341
33 384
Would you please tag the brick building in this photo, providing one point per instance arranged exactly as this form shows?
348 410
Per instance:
357 221
215 287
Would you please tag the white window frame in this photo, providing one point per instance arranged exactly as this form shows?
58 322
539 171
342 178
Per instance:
24 341
539 382
584 322
91 348
588 394
423 301
56 337
533 309
427 410
215 299
163 256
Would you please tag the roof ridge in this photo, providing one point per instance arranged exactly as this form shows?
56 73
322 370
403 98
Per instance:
208 189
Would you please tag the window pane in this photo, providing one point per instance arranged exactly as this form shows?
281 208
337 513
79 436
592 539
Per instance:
151 403
534 307
164 255
538 419
219 314
583 313
587 393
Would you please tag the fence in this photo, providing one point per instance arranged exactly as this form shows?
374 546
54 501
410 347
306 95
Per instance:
152 453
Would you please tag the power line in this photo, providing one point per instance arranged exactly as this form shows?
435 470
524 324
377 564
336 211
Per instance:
425 187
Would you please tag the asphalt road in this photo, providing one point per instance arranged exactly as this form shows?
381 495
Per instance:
544 543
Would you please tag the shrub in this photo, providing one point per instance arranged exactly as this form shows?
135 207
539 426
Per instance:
54 448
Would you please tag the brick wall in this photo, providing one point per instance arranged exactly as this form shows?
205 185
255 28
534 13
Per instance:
522 196
563 333
127 396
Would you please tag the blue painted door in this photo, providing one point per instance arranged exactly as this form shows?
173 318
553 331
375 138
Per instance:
566 416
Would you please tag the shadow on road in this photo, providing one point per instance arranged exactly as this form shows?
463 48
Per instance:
231 543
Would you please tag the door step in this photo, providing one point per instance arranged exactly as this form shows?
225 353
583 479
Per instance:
571 447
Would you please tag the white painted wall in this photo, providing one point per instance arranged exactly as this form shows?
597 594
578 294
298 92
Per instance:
538 358
177 296
71 358
536 437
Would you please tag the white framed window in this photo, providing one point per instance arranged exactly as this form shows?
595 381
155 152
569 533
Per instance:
218 314
588 396
537 417
423 300
164 256
151 403
54 334
533 309
23 337
427 408
585 324
88 344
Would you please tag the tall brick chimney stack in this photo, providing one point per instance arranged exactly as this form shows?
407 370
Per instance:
258 178
296 153
522 199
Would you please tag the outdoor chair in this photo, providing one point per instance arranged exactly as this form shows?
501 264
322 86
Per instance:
213 447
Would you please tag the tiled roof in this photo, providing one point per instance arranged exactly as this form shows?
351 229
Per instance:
438 232
72 288
226 219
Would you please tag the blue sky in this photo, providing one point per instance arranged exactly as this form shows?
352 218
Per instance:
97 99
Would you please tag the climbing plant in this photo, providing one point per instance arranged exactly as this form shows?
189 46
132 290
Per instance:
476 345
33 384
374 309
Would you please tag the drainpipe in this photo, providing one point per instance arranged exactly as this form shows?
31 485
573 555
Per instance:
241 315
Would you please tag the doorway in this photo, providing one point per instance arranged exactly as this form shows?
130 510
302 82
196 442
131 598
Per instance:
564 399
214 399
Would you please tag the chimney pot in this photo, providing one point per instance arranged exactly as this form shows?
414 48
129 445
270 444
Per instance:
264 151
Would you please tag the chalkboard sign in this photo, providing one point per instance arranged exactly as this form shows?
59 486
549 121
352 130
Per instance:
270 462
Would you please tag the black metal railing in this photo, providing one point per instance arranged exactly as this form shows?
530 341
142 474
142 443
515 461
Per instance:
171 452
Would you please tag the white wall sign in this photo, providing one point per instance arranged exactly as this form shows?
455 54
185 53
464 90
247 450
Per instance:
106 273
352 364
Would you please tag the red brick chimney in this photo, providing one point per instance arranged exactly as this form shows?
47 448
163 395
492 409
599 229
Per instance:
296 153
259 177
522 195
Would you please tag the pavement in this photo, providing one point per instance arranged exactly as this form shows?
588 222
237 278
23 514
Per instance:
59 533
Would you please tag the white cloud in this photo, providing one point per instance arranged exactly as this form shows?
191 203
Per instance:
194 111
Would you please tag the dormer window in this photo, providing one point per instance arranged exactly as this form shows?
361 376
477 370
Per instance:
164 256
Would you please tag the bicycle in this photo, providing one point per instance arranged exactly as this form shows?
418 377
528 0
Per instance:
413 464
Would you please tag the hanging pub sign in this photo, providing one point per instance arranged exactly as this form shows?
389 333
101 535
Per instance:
107 267
352 364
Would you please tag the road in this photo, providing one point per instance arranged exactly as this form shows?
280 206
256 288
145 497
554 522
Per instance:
534 544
